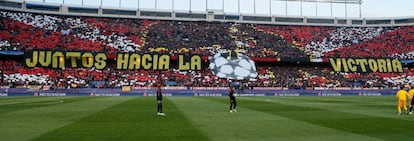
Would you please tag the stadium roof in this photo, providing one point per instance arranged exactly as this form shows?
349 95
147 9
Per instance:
329 1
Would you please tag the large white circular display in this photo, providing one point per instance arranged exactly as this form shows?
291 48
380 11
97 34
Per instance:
235 66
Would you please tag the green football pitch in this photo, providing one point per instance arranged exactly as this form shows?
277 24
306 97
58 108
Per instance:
203 118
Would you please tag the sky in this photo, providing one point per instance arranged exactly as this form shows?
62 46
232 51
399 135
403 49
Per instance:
369 8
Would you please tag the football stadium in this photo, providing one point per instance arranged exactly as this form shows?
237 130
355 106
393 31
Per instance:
150 70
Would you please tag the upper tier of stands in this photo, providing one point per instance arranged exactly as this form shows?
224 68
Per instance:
29 31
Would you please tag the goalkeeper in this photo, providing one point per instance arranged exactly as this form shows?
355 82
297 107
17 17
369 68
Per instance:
402 97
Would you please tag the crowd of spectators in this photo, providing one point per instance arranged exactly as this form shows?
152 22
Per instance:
390 42
15 74
29 31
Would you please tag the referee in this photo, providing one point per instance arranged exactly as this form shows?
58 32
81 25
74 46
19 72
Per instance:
232 96
159 101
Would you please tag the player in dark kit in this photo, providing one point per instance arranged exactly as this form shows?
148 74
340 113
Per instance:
411 106
410 100
232 96
159 101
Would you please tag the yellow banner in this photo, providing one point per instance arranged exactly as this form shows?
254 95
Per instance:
60 59
133 61
366 65
124 61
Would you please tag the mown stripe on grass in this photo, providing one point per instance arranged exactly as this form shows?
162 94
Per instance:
26 124
371 106
377 127
36 102
12 98
349 100
135 119
211 116
25 100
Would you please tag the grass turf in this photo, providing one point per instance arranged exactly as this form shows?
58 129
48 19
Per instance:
202 118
